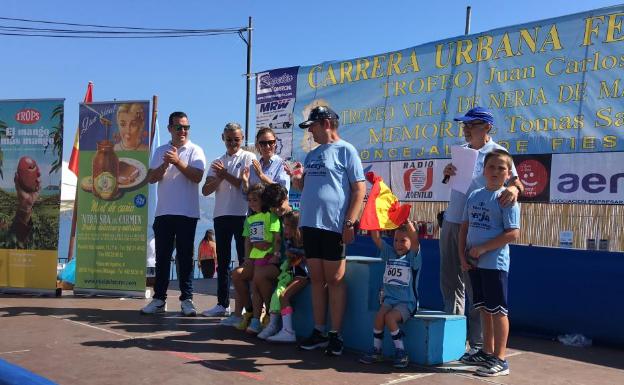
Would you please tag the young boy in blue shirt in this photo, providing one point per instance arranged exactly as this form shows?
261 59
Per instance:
484 239
399 301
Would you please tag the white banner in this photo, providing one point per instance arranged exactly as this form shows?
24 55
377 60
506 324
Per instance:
275 99
420 180
284 143
381 169
594 178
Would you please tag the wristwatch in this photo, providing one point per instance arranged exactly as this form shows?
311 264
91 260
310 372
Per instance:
349 224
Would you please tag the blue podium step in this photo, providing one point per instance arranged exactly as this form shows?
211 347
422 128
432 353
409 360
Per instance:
431 337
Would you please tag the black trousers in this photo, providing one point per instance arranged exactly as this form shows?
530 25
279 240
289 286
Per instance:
207 267
226 227
174 231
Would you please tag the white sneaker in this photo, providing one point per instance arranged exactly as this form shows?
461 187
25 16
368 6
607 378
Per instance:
285 336
232 320
217 311
154 307
268 332
188 308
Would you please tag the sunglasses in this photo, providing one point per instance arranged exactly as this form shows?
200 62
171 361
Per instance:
266 142
233 140
473 124
180 127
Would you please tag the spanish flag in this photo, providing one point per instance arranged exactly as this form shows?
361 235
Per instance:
382 210
73 158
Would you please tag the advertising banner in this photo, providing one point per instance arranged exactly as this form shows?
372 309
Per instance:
554 86
420 180
534 173
112 199
31 145
381 169
275 100
596 178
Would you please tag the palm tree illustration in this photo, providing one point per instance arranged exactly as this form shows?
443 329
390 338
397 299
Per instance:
57 138
3 127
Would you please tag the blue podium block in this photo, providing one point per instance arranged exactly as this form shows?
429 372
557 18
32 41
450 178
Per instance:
431 337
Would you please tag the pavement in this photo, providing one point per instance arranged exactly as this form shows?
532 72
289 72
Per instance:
100 340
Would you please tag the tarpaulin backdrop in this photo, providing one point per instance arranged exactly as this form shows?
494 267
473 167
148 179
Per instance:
113 194
31 143
554 86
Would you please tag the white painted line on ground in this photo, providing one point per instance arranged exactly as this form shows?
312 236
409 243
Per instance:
93 327
16 351
407 377
478 378
162 334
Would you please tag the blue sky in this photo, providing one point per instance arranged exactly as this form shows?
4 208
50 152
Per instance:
203 76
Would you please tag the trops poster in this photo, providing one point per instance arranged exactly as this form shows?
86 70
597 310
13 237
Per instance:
554 87
112 197
31 145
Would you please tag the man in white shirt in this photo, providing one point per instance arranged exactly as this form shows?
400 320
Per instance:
454 283
177 167
224 179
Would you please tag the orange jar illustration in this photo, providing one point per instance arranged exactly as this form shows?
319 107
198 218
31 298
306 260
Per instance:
105 171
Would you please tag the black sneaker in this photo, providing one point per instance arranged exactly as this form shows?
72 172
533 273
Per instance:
316 340
496 367
480 358
334 348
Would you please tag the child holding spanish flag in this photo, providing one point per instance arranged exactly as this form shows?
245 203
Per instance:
399 302
403 262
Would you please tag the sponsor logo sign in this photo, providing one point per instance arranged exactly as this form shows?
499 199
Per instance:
590 178
275 100
27 116
419 180
534 173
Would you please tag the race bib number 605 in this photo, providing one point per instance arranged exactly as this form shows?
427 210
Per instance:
398 272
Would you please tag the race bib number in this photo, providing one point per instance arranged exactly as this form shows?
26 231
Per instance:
256 232
398 272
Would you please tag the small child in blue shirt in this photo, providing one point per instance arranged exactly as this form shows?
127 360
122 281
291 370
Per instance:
403 261
484 239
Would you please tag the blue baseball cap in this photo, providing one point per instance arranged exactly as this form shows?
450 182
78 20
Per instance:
319 113
477 113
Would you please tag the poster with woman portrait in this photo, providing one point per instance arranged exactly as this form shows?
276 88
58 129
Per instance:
31 146
112 197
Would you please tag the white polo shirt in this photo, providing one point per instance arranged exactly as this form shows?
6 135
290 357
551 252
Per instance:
230 200
177 194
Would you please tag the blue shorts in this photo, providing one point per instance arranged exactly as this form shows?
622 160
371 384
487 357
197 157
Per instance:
489 290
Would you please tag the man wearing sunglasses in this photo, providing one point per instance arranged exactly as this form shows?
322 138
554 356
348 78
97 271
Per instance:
454 284
224 179
177 167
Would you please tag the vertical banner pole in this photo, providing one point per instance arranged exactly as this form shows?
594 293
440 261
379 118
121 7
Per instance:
72 237
248 75
153 122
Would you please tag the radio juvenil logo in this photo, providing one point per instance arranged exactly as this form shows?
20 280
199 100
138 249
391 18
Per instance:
418 179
